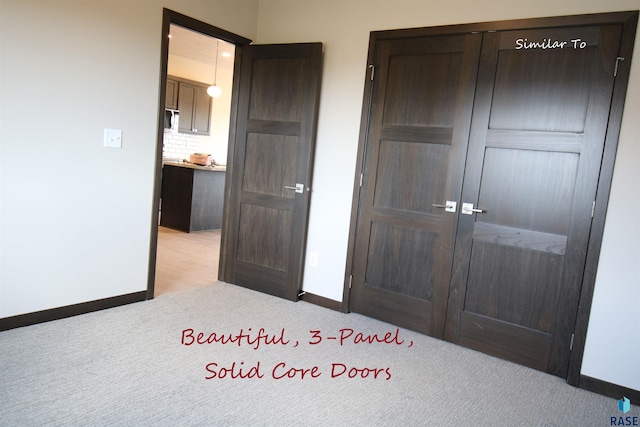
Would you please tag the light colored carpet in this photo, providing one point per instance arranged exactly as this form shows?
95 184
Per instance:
127 366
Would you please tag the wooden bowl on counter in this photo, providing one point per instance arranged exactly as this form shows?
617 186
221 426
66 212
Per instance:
200 159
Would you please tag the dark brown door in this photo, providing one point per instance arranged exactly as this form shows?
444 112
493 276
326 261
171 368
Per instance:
273 147
539 124
416 142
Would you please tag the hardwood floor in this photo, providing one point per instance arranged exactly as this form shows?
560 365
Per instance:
186 260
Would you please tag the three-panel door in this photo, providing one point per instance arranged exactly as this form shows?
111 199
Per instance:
512 131
416 146
540 118
273 140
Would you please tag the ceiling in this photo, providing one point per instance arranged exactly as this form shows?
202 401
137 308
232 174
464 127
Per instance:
200 48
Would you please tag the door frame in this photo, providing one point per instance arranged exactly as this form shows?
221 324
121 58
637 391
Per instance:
628 20
170 17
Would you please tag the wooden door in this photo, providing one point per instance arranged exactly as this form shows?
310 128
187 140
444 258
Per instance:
416 141
273 147
537 138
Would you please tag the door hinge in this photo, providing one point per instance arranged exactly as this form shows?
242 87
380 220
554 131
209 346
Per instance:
360 180
615 70
571 344
593 209
350 280
373 70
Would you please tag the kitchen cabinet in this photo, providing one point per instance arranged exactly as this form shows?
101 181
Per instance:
171 100
192 197
194 105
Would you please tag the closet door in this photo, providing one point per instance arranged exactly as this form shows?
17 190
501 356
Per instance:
539 123
416 143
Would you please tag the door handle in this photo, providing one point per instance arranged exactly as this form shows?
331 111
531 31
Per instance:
468 209
450 206
299 188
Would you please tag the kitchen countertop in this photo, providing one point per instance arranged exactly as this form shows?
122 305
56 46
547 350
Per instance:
216 168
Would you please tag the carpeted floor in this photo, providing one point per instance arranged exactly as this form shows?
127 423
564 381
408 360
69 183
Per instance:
131 366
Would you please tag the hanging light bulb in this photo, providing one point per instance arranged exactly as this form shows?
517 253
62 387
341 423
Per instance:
214 91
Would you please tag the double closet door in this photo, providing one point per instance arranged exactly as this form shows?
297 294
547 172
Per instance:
481 160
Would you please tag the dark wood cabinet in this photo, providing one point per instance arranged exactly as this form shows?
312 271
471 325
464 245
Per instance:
192 198
171 100
201 118
194 104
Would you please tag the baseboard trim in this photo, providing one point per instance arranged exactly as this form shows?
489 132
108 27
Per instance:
608 389
321 301
69 310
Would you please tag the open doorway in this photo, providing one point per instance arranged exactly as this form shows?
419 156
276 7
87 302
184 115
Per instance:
274 115
188 258
195 56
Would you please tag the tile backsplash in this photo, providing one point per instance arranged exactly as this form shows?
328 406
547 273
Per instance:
179 145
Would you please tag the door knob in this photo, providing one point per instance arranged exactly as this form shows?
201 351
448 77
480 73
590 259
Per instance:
299 188
468 209
450 206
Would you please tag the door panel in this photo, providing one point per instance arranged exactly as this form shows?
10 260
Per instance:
416 140
537 138
277 92
550 84
547 176
261 241
273 151
262 152
409 177
388 242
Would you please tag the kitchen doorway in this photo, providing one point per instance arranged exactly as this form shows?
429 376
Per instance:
195 56
274 115
187 260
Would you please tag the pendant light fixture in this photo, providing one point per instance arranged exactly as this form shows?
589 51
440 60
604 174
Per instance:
214 91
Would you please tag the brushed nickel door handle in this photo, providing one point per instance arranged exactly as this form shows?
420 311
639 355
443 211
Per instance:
449 206
468 209
299 188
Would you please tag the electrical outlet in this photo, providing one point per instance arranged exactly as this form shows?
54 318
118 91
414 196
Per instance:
113 138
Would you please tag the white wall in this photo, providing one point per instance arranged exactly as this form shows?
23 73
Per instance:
613 345
75 217
613 339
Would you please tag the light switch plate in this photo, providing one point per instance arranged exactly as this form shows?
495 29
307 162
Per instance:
113 138
313 259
